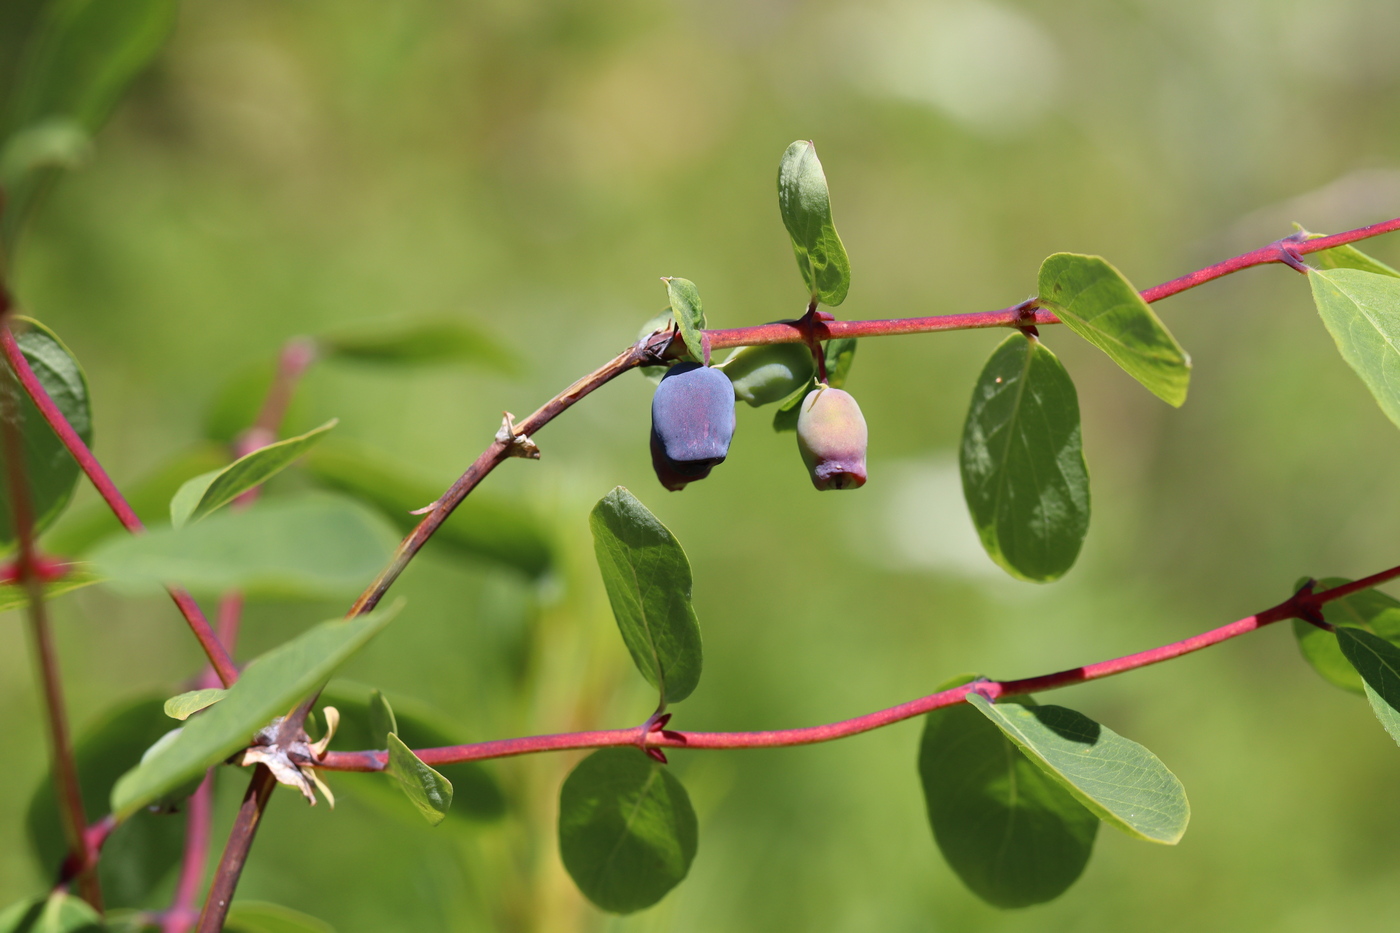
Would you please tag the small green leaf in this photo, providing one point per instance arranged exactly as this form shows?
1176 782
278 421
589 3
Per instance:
429 791
1100 305
1023 470
83 57
477 797
627 832
1378 663
309 546
485 526
418 343
381 719
259 917
203 494
149 497
141 852
1371 610
1362 312
60 912
15 596
269 687
185 705
689 314
647 576
1122 783
50 471
805 204
1013 835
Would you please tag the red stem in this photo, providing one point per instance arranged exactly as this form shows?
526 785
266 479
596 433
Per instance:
240 841
182 913
219 658
1295 606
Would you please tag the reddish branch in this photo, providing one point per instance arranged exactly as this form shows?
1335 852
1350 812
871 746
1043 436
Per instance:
1302 605
199 625
650 351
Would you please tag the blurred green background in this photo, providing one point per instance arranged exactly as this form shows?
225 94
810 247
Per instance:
534 167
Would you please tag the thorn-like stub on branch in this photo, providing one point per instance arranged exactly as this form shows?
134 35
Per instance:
1289 255
426 509
519 441
1306 607
657 754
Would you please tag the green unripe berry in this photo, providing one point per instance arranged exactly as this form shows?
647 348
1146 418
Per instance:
770 373
832 437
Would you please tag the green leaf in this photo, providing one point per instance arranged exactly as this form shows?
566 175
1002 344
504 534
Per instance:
381 719
805 204
185 705
141 852
83 57
60 912
15 596
477 797
839 353
1023 470
309 546
1122 783
1013 835
429 791
1378 663
689 314
485 526
419 343
259 917
205 493
647 576
148 496
1371 610
1362 312
269 687
50 472
1098 304
627 833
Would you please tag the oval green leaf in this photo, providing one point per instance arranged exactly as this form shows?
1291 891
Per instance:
1362 313
477 796
209 491
1371 610
185 705
1122 783
627 832
1022 462
427 790
647 576
50 471
1012 833
269 687
260 917
419 343
142 852
1378 663
689 314
485 526
805 203
83 56
1100 305
303 547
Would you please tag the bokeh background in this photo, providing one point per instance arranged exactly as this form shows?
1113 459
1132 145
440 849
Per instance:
533 167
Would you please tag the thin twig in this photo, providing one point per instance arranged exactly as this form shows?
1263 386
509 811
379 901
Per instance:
240 841
1291 608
